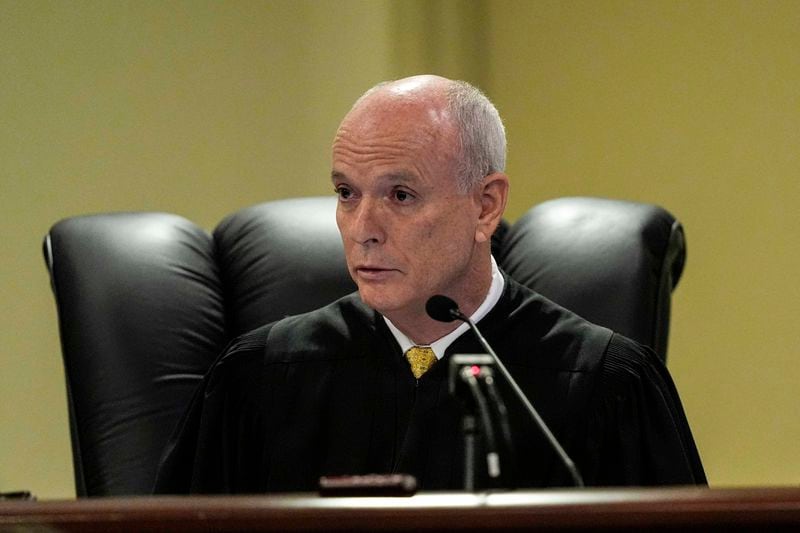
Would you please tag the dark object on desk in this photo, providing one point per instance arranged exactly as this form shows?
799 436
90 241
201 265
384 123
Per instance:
146 301
17 495
368 485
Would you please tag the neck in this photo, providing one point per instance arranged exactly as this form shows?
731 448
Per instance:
423 330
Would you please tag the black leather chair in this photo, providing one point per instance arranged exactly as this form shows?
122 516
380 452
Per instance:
146 301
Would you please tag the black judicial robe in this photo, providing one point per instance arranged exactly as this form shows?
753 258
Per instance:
330 393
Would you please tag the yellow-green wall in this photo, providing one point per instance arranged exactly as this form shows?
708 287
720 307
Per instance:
200 108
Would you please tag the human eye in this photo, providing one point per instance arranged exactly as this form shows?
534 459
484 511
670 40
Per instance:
402 196
343 191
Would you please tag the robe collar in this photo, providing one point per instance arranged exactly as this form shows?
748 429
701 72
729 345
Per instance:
439 346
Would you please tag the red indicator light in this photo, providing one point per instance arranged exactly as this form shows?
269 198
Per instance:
475 370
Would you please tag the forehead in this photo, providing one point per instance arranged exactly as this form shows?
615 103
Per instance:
397 116
386 129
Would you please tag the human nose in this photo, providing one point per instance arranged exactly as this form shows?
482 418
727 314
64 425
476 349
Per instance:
367 226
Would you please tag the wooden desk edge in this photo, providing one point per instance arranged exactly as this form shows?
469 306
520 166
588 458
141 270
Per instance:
586 509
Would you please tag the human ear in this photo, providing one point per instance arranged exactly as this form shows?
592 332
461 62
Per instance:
493 197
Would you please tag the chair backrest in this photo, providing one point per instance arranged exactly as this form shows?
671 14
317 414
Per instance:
615 263
146 301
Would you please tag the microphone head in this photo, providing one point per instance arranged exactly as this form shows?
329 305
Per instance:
442 308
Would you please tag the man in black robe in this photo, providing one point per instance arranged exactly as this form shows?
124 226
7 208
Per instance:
418 169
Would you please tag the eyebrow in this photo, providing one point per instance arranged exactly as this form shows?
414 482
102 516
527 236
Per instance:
400 176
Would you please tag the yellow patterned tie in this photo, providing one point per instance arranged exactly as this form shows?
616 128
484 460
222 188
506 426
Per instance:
421 358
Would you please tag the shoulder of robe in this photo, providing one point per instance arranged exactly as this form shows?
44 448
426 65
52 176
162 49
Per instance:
343 329
629 364
555 337
242 359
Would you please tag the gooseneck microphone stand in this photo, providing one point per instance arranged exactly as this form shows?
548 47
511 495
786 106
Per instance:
445 309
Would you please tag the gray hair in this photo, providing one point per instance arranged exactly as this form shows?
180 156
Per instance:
481 134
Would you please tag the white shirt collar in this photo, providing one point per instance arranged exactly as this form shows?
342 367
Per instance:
441 345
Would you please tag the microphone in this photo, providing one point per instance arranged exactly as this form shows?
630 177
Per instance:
440 307
492 457
499 410
444 309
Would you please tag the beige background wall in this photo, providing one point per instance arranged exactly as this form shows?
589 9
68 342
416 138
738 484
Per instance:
200 108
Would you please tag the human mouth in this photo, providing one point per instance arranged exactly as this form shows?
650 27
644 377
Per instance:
374 273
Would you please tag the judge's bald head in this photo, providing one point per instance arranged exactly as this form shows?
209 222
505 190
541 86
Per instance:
470 122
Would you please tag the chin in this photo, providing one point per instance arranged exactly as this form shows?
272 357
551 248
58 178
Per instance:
379 301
